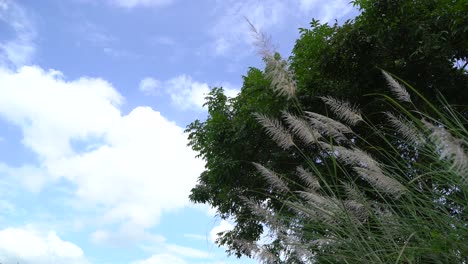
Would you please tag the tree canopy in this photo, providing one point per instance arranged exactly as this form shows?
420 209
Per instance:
424 42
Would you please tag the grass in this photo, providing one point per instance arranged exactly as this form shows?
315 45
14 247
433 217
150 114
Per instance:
396 195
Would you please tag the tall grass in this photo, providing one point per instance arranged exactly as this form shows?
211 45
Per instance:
396 195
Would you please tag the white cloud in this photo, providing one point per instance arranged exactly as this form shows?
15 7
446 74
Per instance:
33 178
185 92
222 227
171 253
161 259
149 86
19 50
52 111
139 164
163 40
196 237
142 3
18 245
187 252
326 11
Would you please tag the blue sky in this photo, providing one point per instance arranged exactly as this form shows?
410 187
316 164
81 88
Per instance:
94 98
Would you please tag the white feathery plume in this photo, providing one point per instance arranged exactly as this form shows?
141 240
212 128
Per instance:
330 122
266 256
263 213
282 79
304 210
351 156
407 130
353 193
323 206
276 131
309 179
302 252
380 181
398 90
300 127
322 242
329 126
262 41
367 168
273 179
365 160
449 148
246 246
343 109
358 210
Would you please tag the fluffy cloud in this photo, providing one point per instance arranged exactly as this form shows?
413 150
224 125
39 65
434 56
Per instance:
222 227
170 253
132 167
185 93
18 50
149 86
143 3
161 259
326 11
19 245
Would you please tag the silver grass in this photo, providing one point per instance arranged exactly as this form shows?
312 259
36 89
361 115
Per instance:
323 207
316 199
266 256
357 210
328 126
380 181
322 242
398 90
330 122
449 148
272 178
302 252
282 79
261 41
301 128
343 110
365 160
263 213
351 156
309 179
247 246
407 130
353 193
276 131
367 168
277 70
312 212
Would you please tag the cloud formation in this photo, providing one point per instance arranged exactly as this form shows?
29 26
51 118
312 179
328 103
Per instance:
133 167
185 92
149 86
26 245
19 49
142 3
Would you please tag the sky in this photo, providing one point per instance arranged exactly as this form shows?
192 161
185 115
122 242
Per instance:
94 99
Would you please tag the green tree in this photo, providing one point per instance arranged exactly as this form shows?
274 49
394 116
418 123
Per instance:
418 40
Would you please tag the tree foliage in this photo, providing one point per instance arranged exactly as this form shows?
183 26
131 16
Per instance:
418 40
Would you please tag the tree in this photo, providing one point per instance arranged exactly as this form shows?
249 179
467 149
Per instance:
418 40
